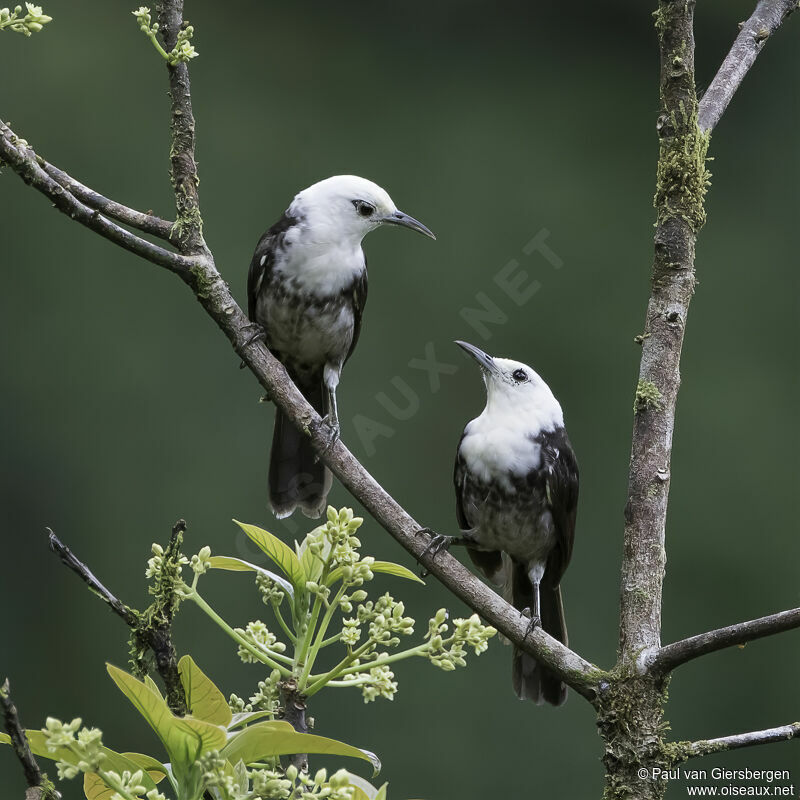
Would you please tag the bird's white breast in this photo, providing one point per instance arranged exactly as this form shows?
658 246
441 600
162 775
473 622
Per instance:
321 268
495 448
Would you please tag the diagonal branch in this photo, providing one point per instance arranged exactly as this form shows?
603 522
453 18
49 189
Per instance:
765 20
23 161
214 294
147 223
706 747
673 655
151 629
69 559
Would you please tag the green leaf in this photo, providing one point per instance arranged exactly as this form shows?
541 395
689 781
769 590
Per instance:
279 552
94 787
184 738
386 567
267 739
151 684
155 769
246 717
118 762
203 697
237 565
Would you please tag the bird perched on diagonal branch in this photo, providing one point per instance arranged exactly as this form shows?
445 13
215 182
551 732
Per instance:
516 482
306 291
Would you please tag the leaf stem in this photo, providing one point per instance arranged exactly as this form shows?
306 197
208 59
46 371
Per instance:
257 653
276 607
320 637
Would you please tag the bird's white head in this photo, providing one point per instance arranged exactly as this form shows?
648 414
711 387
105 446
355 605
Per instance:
515 389
347 208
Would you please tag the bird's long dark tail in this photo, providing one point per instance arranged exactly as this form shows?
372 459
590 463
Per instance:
530 679
296 478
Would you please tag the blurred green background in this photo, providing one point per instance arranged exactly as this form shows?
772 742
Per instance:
123 408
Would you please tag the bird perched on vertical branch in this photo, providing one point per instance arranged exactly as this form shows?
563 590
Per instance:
306 291
516 482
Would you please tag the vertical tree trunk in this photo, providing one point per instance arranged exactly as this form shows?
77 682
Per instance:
631 710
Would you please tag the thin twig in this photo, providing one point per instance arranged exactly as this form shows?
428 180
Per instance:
673 655
145 222
19 741
765 20
69 559
23 160
151 629
708 746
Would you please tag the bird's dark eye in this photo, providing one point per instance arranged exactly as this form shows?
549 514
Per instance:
519 375
363 208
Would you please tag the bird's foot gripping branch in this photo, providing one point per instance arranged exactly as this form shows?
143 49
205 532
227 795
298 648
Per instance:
322 614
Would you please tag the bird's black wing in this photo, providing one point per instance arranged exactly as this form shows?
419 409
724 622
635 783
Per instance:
264 259
459 479
358 295
560 468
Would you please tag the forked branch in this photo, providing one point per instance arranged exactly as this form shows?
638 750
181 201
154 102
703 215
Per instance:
145 222
22 159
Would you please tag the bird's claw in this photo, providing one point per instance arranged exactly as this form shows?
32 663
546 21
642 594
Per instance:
258 335
437 543
534 622
333 435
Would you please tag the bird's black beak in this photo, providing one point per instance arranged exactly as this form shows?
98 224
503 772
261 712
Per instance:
399 218
485 361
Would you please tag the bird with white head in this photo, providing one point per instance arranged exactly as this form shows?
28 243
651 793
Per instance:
306 289
516 482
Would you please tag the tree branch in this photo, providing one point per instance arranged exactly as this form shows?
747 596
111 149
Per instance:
39 787
706 747
152 628
214 294
147 223
765 20
70 560
680 190
673 655
183 168
23 161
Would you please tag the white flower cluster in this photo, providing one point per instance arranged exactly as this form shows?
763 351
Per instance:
85 743
271 592
294 785
32 22
156 564
261 638
183 50
448 653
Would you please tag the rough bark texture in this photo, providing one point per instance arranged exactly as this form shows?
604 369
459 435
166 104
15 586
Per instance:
631 711
294 712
